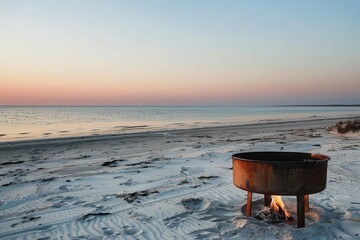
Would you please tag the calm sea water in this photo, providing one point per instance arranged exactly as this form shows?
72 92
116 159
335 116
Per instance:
30 122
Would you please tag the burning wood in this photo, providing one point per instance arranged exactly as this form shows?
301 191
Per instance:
278 206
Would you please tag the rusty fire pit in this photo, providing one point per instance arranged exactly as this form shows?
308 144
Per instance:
281 173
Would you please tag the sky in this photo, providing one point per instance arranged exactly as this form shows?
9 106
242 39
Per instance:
181 52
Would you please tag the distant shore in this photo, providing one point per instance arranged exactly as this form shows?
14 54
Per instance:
320 105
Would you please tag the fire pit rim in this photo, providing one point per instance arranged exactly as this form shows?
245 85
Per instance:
313 157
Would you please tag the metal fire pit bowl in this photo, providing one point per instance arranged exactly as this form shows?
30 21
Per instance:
281 173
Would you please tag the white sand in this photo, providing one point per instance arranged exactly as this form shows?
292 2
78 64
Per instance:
59 188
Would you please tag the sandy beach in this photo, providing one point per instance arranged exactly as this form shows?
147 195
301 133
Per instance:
169 185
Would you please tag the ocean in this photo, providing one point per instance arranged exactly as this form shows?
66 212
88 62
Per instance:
37 122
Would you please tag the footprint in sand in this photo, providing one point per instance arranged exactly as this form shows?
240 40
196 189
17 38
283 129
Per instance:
176 220
108 197
185 171
70 188
142 217
96 206
129 182
131 231
80 203
192 205
60 201
65 187
108 231
195 204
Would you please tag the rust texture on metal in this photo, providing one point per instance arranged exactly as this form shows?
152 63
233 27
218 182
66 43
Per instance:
248 204
306 203
280 173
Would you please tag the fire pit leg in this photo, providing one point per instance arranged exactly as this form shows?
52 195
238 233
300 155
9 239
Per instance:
306 203
267 200
248 204
300 211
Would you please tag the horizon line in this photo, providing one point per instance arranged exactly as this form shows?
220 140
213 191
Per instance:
271 105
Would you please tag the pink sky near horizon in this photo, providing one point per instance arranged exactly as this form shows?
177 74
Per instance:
21 91
90 53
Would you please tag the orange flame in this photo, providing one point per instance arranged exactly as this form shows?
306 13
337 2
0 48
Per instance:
278 205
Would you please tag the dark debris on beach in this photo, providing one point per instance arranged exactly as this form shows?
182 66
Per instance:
83 156
86 216
185 181
112 163
7 184
207 177
48 179
130 197
12 163
29 218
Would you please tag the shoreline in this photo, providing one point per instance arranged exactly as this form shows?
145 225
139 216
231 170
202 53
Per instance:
90 138
21 124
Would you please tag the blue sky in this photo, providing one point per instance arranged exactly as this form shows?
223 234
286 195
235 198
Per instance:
179 52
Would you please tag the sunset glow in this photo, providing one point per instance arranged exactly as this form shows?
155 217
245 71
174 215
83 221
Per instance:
179 53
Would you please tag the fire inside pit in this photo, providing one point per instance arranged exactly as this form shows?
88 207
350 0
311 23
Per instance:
280 173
